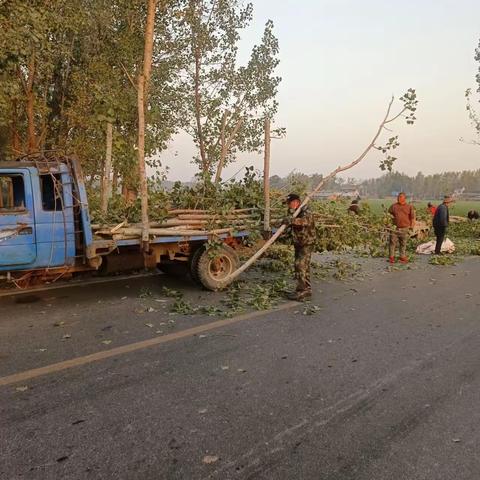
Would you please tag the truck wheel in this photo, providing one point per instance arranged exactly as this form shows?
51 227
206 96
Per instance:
194 264
212 268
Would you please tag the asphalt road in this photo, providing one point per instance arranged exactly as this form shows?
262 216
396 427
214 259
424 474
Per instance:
382 382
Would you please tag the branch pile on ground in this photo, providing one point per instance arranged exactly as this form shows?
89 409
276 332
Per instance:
338 230
466 237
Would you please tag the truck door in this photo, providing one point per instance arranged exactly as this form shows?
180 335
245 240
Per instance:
17 222
54 219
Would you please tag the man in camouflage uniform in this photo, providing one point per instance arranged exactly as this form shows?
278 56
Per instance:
304 236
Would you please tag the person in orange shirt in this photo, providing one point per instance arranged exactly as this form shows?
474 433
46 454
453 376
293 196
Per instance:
431 208
403 216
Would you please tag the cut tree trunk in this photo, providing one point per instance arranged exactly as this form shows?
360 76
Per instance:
205 216
166 232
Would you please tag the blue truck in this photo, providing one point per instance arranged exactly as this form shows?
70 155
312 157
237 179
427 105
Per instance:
46 232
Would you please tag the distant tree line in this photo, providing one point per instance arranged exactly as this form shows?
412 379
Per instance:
302 183
423 186
419 186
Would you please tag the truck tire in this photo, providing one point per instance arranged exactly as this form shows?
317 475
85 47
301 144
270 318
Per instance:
212 269
194 264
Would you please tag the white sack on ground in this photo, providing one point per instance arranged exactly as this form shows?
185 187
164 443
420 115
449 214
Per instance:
428 248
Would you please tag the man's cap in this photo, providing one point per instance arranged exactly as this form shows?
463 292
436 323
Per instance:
448 198
291 197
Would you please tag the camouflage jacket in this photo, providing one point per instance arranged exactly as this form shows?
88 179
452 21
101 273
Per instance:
303 228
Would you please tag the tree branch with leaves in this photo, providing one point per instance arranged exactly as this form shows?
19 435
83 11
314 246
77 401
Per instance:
469 100
407 111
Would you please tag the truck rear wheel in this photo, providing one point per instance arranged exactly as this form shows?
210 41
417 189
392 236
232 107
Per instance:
194 263
213 267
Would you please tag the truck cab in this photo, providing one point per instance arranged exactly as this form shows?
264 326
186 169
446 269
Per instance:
37 216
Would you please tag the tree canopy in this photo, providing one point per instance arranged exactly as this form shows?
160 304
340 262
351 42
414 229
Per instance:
67 69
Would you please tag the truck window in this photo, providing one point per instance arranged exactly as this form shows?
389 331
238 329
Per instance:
52 192
12 194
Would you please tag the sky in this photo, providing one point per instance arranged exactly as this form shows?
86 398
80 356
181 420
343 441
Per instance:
341 61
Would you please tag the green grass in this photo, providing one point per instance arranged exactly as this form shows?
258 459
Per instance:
459 208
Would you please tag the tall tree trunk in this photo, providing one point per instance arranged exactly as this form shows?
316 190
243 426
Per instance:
141 158
223 146
142 97
107 174
198 112
226 145
15 141
266 176
115 181
30 101
197 53
31 136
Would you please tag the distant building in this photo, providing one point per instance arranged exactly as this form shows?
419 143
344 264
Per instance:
344 191
467 195
350 191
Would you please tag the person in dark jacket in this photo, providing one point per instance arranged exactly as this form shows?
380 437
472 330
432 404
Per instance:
304 237
440 222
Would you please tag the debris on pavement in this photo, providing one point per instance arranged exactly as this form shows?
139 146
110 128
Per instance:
209 459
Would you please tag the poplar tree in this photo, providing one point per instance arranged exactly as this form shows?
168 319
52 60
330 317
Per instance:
225 103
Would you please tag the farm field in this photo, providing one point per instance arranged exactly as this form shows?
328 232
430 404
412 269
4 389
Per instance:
459 208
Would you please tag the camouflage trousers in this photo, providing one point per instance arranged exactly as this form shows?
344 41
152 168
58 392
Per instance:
303 258
400 236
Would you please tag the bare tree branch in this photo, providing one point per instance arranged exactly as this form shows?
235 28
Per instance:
128 76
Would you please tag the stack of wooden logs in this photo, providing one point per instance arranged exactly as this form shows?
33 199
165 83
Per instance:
186 223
